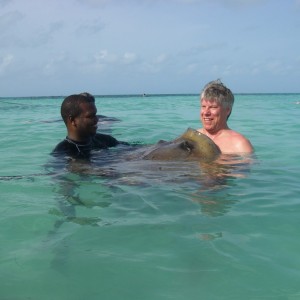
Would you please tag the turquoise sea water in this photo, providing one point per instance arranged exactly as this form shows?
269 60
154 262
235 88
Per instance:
154 231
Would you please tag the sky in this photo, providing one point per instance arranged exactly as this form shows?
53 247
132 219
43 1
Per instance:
112 47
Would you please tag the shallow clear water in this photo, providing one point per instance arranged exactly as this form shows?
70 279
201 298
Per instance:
154 231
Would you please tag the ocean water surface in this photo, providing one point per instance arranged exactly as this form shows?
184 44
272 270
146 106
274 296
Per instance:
150 230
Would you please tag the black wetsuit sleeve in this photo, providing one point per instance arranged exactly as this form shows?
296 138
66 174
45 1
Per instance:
114 142
60 147
104 141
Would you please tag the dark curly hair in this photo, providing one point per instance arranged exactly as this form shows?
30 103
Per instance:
71 105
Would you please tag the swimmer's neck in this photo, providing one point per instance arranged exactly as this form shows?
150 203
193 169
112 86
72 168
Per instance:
79 139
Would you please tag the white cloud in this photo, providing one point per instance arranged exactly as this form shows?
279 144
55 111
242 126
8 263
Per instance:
154 65
160 59
84 40
129 58
5 62
53 65
104 57
190 69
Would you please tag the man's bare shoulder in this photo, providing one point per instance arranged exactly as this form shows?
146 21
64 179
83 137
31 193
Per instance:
230 141
234 142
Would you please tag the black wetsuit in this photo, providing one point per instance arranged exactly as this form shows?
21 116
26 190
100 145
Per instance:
73 149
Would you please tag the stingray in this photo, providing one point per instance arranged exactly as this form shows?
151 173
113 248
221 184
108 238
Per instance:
190 146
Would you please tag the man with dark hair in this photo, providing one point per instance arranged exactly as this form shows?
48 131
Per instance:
79 113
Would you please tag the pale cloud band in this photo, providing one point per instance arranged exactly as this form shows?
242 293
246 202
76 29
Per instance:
164 46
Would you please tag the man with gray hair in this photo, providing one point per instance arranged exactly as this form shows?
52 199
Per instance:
216 102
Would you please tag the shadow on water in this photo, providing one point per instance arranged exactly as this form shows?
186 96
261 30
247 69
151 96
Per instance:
204 182
216 178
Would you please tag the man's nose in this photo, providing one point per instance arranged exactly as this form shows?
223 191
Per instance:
206 111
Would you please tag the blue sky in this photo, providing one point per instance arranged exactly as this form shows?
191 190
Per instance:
56 47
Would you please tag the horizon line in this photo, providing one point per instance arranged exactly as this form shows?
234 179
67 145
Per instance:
150 95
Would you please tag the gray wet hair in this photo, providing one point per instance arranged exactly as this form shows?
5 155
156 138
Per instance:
217 91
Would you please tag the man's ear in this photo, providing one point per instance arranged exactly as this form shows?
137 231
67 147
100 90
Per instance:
228 112
71 120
